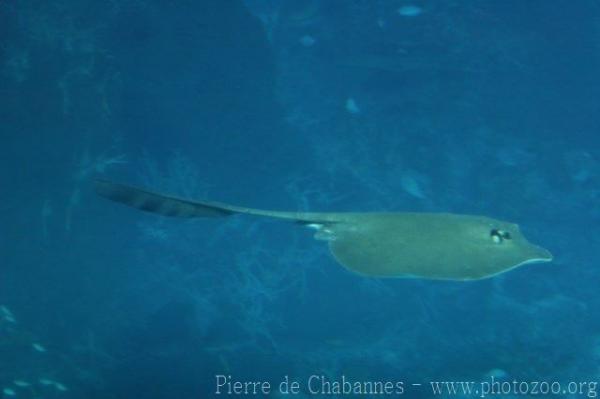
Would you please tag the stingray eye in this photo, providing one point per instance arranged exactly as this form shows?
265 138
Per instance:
499 235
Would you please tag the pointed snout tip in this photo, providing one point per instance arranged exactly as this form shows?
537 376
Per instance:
543 255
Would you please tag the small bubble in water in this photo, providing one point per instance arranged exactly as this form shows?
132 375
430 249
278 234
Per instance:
307 40
410 11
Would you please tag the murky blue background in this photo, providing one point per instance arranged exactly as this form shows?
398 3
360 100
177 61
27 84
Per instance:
481 107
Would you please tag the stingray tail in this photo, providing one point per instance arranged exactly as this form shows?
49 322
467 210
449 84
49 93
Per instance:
168 205
161 204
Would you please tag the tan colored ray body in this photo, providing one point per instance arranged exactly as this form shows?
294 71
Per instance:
425 245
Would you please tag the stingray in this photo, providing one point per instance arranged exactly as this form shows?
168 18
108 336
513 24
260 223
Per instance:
380 244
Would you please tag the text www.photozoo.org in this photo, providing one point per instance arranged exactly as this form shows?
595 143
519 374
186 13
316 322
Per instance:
343 386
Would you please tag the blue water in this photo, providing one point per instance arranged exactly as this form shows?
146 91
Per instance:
480 107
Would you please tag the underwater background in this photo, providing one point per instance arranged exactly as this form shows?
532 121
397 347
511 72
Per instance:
481 107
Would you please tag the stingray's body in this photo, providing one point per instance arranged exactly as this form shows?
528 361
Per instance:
426 245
